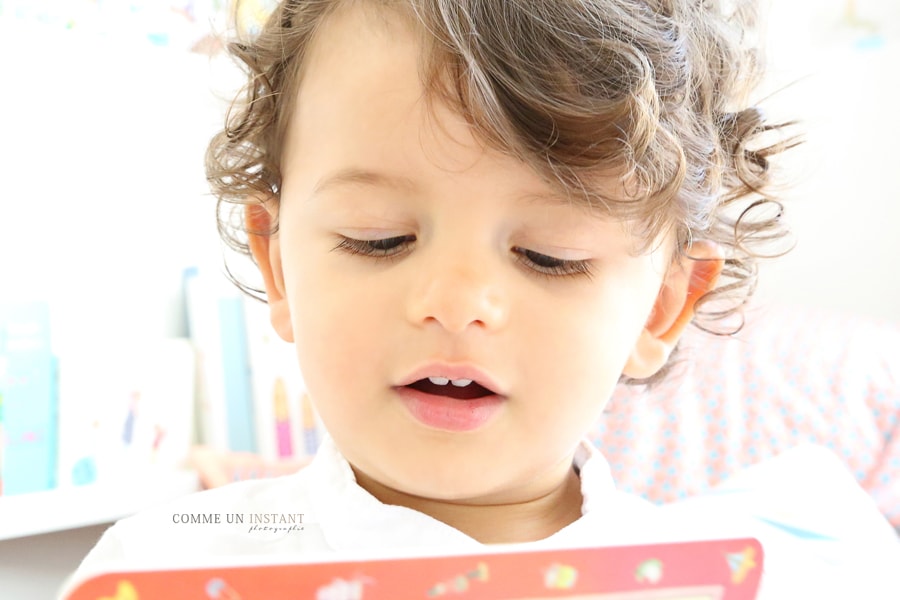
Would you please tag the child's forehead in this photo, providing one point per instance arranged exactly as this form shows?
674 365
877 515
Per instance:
364 96
373 50
607 187
386 17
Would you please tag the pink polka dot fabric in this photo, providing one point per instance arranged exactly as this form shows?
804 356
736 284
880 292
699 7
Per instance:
791 376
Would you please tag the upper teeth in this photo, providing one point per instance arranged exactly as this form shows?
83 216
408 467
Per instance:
445 381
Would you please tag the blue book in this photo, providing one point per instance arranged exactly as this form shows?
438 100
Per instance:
29 390
236 369
217 328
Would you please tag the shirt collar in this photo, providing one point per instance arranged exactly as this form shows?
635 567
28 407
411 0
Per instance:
596 477
351 519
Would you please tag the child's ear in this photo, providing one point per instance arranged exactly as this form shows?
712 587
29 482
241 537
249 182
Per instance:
266 251
686 281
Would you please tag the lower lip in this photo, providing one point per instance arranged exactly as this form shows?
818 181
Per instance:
450 414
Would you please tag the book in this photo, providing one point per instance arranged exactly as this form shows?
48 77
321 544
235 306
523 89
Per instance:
29 397
287 425
217 328
723 569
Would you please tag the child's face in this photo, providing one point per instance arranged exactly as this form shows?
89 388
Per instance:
407 249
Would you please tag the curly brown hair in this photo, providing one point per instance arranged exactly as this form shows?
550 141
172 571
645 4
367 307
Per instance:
653 91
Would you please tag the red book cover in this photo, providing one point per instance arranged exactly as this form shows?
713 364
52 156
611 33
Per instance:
727 569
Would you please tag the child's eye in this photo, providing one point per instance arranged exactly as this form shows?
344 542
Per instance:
549 265
378 248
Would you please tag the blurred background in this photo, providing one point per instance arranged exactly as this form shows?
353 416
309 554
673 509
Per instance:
830 65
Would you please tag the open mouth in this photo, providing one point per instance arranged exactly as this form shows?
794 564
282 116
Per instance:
459 389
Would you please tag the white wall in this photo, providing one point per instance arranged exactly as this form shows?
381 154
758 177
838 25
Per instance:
104 199
845 205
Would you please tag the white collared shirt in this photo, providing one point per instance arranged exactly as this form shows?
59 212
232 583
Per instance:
321 510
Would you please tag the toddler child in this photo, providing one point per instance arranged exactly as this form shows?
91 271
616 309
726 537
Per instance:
473 218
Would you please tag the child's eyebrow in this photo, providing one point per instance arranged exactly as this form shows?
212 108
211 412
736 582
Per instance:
356 176
353 176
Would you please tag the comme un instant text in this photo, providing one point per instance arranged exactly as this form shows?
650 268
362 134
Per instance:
238 518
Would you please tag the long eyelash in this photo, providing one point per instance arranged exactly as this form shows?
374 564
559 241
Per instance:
566 268
375 248
391 247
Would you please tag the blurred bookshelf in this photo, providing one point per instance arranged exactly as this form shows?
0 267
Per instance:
60 509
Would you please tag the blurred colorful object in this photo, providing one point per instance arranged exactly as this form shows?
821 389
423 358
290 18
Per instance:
181 24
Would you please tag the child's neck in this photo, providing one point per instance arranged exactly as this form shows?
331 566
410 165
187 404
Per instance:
531 519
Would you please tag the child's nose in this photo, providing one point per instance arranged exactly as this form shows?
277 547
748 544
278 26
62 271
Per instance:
458 294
